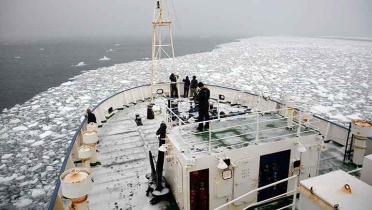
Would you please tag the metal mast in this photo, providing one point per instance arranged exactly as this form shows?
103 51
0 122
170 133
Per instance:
162 40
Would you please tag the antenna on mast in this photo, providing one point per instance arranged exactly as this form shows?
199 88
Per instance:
162 40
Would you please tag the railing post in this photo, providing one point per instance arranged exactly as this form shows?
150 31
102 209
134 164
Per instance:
210 136
299 123
327 131
258 125
294 194
218 109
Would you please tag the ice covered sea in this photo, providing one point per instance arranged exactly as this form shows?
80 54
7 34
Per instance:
330 77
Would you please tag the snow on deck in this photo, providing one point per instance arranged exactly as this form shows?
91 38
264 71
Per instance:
120 183
328 76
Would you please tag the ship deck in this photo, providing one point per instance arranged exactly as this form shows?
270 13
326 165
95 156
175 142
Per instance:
120 183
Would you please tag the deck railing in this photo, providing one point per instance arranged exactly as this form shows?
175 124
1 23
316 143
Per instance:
255 122
291 192
294 177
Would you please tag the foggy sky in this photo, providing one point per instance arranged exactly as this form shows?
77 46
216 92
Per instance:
53 19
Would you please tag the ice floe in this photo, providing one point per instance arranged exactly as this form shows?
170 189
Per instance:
104 59
6 156
23 202
20 128
80 64
45 134
7 180
37 193
329 77
38 143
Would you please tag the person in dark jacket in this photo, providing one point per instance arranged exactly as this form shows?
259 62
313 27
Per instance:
91 117
193 86
173 86
186 82
203 100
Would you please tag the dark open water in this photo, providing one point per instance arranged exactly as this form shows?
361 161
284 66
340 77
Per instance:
27 69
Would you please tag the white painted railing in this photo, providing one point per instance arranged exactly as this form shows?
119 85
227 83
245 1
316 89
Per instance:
256 120
295 177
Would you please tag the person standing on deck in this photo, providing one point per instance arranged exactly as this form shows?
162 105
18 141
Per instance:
193 86
203 99
91 117
186 82
173 86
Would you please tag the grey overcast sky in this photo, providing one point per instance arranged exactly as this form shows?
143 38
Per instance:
53 19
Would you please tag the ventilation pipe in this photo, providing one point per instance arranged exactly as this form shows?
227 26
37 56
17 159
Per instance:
86 153
92 127
90 138
76 183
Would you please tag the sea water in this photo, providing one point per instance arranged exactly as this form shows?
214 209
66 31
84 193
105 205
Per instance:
28 68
